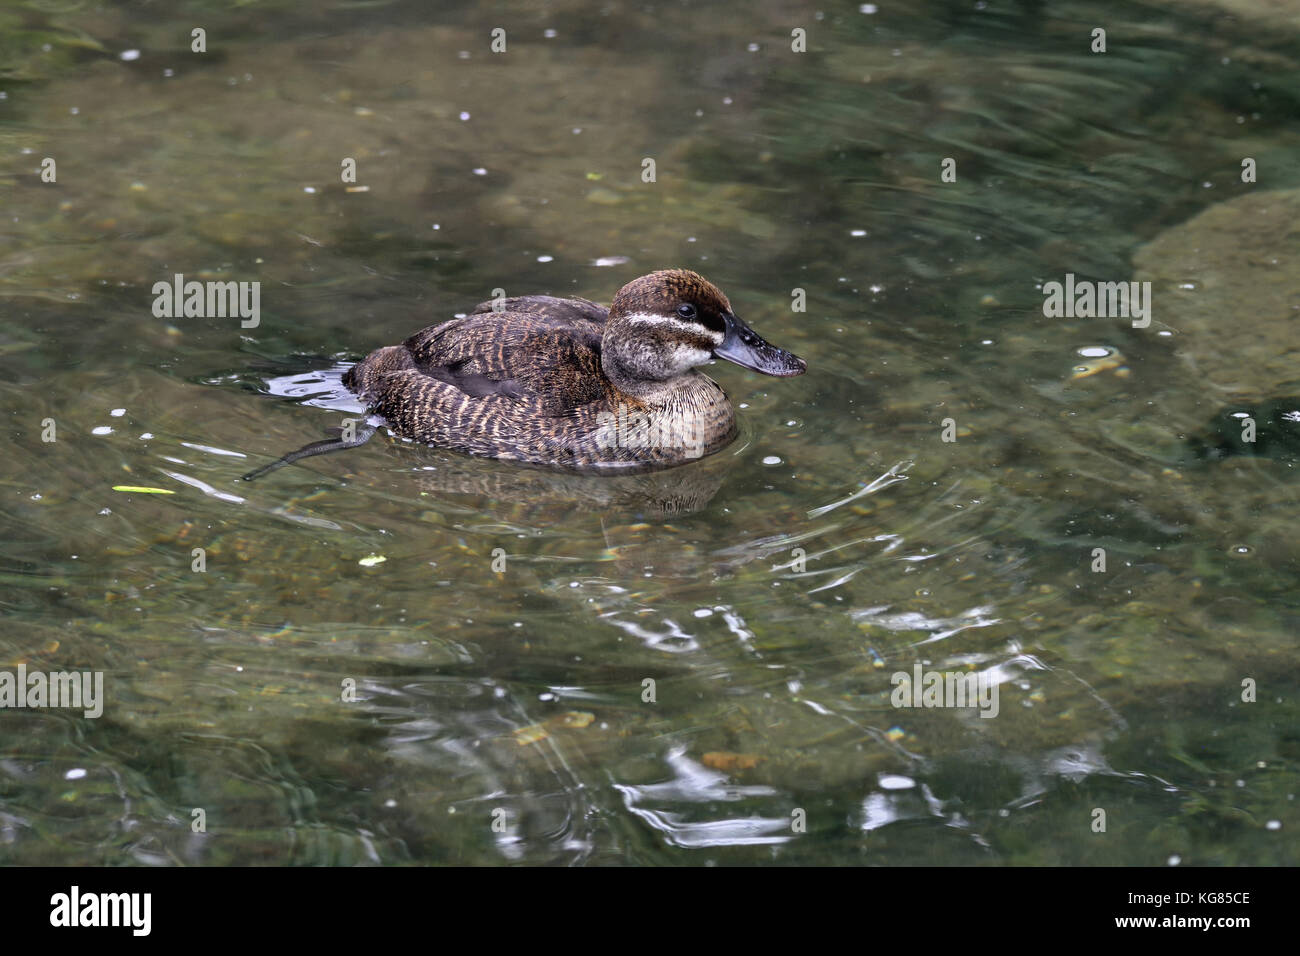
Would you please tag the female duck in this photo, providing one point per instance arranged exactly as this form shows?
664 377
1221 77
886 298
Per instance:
564 382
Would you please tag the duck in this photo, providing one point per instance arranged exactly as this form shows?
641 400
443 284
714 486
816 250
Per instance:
566 383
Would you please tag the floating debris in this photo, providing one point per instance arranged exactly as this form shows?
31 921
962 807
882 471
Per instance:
533 733
1100 358
727 762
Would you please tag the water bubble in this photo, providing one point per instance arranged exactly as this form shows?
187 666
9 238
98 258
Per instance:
896 781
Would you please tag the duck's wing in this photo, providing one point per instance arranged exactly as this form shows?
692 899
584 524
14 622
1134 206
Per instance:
547 362
549 307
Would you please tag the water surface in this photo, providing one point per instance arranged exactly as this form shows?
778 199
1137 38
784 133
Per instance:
501 657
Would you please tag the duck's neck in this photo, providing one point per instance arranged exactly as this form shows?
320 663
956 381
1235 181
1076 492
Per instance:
653 392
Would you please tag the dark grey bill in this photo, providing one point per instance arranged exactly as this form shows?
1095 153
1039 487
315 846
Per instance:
747 349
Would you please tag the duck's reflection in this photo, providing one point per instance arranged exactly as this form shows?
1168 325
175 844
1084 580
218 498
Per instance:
523 492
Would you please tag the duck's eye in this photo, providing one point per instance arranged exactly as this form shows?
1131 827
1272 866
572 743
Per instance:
686 311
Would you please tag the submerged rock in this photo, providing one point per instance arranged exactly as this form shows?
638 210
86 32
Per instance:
1227 283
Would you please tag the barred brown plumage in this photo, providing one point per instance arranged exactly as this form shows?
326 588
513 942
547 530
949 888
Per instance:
563 382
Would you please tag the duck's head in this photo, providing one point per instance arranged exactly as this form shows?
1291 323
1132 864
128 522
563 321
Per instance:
664 324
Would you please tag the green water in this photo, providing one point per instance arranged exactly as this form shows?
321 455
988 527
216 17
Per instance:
503 655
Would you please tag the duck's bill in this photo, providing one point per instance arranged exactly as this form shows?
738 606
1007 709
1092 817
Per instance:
747 349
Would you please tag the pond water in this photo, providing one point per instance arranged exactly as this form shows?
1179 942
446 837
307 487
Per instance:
398 655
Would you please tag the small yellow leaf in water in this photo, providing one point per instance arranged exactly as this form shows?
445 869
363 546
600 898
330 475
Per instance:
143 490
530 735
577 718
595 177
1100 358
726 761
371 560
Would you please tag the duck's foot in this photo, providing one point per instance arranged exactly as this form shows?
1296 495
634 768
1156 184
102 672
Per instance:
363 435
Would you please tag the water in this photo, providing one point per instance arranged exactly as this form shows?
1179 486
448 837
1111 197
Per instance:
398 655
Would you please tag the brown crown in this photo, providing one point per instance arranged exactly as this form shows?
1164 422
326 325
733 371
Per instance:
665 290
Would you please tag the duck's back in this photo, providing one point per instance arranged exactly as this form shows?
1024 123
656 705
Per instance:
520 380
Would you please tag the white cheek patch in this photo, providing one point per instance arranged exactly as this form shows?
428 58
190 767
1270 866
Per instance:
687 356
